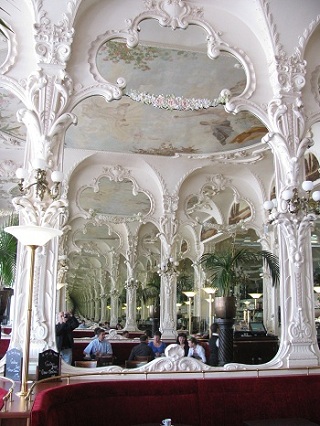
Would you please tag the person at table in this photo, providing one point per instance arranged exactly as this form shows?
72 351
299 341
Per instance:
83 324
157 345
196 350
142 349
98 346
182 341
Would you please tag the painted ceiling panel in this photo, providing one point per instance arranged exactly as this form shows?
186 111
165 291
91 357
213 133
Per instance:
135 127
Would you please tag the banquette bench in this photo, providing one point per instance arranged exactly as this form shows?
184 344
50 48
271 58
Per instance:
197 402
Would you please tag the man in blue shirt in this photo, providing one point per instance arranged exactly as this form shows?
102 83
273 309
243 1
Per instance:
99 346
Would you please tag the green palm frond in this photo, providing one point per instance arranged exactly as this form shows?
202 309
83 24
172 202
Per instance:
224 267
152 290
8 252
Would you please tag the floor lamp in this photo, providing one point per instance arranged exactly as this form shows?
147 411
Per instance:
190 295
32 237
210 291
255 296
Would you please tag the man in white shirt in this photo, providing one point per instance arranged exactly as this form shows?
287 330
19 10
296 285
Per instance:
195 350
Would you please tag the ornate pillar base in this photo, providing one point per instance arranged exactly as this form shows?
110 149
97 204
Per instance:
131 326
302 356
225 340
169 334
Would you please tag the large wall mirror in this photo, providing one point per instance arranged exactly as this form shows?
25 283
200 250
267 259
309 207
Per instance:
134 137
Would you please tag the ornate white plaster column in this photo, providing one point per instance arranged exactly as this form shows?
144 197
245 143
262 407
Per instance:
45 94
103 307
131 285
168 271
114 312
114 292
270 291
298 342
131 311
168 302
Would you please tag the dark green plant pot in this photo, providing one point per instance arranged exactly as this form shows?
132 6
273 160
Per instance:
225 307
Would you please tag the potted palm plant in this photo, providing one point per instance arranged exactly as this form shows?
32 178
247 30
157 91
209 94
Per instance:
8 252
226 272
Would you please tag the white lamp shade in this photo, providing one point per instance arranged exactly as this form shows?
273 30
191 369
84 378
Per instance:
316 196
21 173
57 176
307 185
287 194
33 235
268 205
255 295
189 293
209 290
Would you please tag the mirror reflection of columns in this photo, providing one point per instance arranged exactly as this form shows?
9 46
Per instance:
131 311
168 297
103 307
114 307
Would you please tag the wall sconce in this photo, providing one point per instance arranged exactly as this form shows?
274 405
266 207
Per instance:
32 237
39 180
295 203
168 267
190 295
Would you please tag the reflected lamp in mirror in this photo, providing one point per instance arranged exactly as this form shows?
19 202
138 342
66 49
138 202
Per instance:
255 296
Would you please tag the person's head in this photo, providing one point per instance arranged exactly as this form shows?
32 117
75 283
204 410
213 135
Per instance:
214 328
101 334
148 333
83 322
143 338
125 334
182 338
97 330
192 342
157 336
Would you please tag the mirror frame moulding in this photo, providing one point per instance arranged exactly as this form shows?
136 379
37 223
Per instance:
11 51
175 17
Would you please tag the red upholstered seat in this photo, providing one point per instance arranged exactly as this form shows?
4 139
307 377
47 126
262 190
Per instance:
3 393
196 402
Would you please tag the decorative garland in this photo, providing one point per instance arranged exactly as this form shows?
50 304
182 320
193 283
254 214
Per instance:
172 102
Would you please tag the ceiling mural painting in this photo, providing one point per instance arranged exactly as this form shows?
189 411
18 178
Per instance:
176 110
115 199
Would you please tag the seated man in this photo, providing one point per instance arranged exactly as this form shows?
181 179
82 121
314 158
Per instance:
99 346
196 350
142 349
